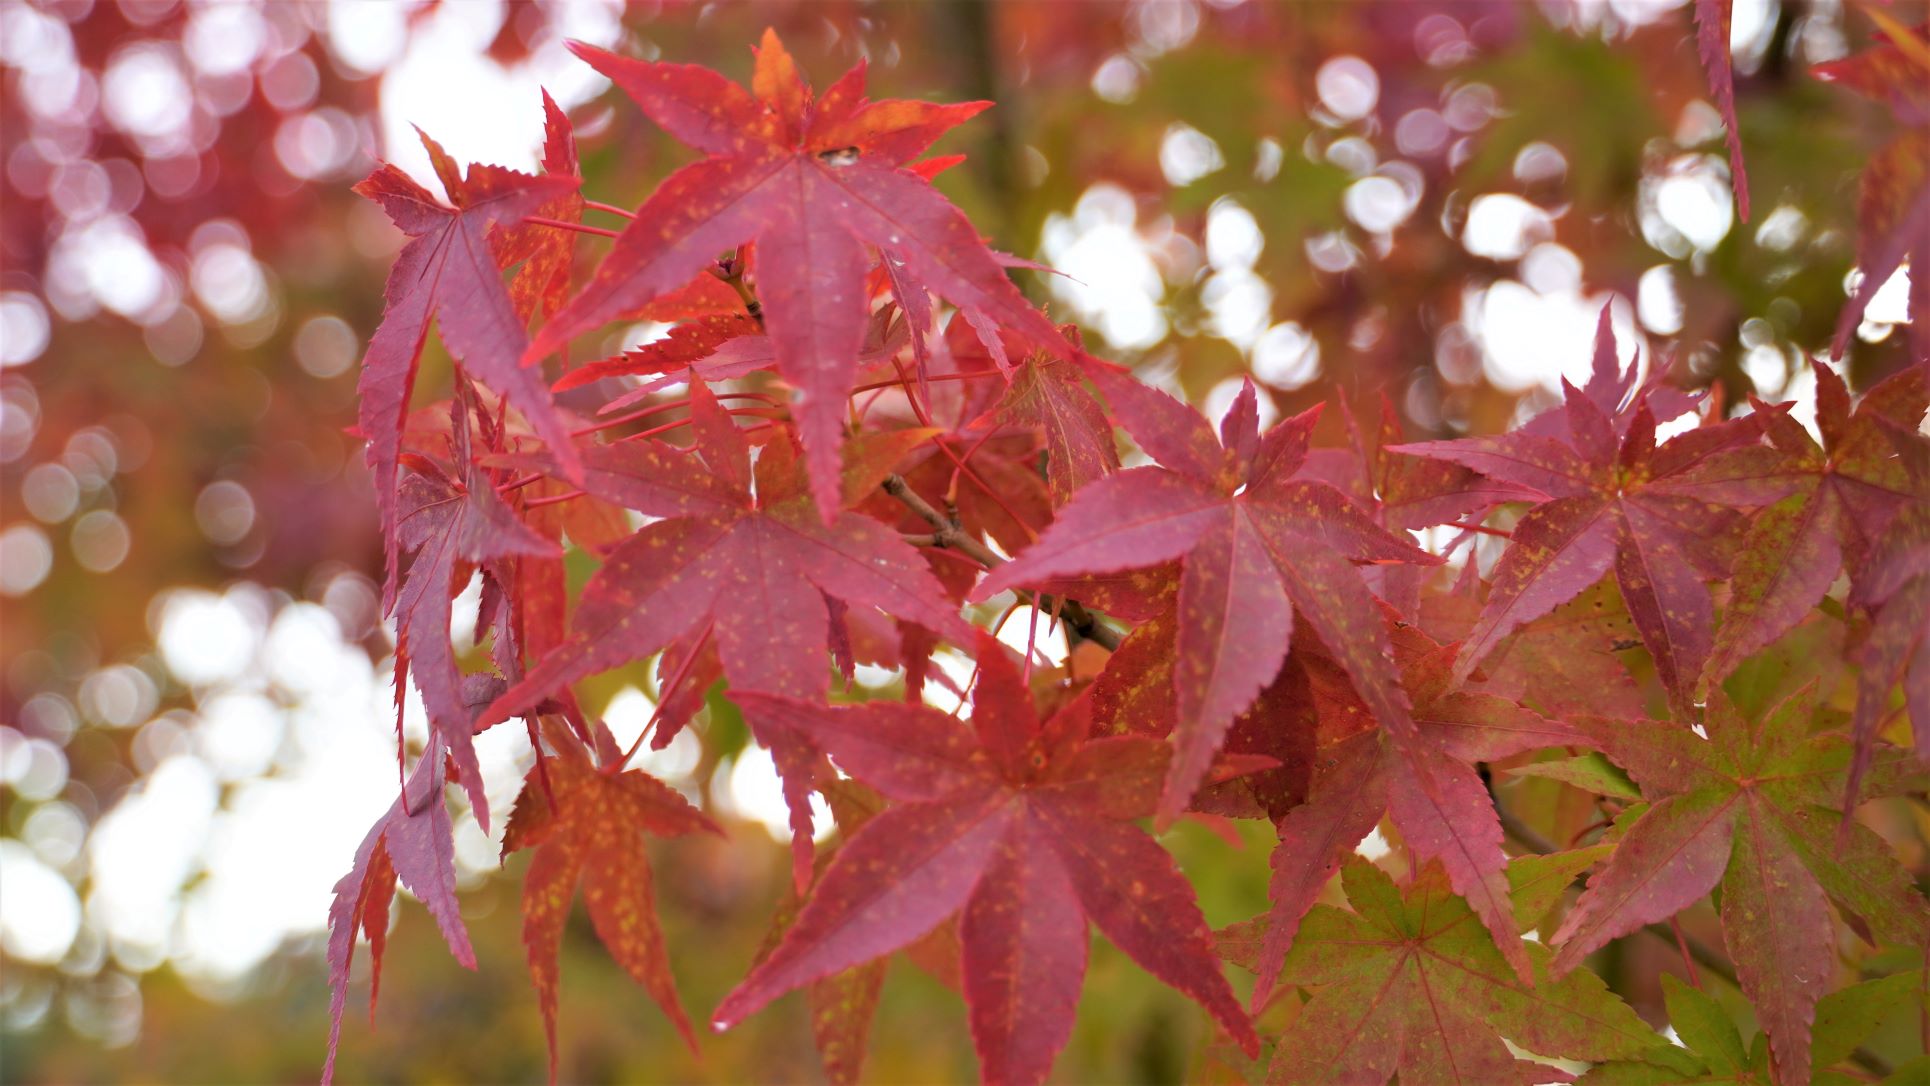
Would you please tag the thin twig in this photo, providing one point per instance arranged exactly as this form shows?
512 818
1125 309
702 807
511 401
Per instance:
944 532
947 534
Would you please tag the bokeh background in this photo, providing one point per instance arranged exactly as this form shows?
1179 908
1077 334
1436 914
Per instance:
1430 198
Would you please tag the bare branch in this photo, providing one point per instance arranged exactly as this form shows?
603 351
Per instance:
947 533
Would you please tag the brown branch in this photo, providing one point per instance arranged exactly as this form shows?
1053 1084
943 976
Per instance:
947 533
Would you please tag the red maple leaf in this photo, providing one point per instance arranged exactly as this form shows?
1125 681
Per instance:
451 522
1844 492
1021 827
545 252
587 826
1750 807
1893 206
813 181
1047 394
1429 787
1893 584
1405 985
757 572
1712 18
1259 544
1661 516
413 842
447 273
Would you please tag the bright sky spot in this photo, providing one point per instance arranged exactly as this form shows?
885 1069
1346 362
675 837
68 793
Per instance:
145 848
1048 638
25 559
1657 302
1380 203
1110 279
754 792
204 637
1348 87
497 117
1502 226
1891 302
1287 356
1233 237
39 914
23 328
1533 339
1186 154
1373 846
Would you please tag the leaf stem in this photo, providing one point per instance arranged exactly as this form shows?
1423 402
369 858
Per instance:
660 408
968 376
1481 528
1688 959
577 227
664 694
607 209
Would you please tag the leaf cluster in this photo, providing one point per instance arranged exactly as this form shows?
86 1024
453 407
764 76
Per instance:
813 471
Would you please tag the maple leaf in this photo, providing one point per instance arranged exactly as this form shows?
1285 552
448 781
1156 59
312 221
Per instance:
693 344
414 842
844 1004
984 466
446 273
1893 583
1416 492
1047 394
1258 545
756 572
450 522
1427 783
716 348
1712 19
1661 516
587 826
1845 491
1020 827
545 252
1893 204
1712 1051
1564 662
1751 808
1408 984
812 181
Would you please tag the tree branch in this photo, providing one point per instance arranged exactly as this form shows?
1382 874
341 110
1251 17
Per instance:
947 533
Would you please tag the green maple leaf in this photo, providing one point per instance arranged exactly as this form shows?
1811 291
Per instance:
1712 1049
1410 982
1753 807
